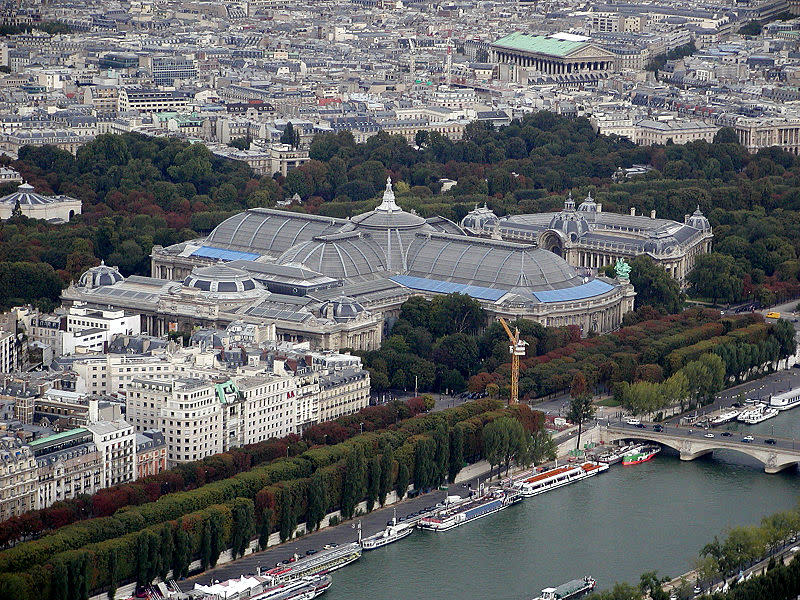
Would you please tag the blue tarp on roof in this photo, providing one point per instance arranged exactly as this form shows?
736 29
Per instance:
446 287
579 292
223 254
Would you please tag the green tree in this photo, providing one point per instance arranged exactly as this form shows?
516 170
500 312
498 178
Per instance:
59 582
425 468
716 276
205 545
290 136
166 550
654 287
243 513
401 483
265 530
288 518
215 537
456 459
354 481
581 408
112 574
441 454
182 556
317 501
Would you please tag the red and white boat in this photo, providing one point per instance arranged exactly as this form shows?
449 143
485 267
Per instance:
540 483
640 455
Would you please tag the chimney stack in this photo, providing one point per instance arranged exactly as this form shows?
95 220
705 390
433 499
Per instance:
633 211
653 214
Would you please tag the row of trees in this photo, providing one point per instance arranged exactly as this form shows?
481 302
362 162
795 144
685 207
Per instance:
134 544
695 384
190 475
650 350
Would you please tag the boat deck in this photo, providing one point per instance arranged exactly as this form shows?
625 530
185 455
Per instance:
551 473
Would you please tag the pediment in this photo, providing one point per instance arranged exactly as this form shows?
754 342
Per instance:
590 51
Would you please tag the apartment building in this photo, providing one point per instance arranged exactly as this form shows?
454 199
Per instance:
186 410
649 133
265 407
151 453
116 444
152 101
68 465
8 352
18 478
343 393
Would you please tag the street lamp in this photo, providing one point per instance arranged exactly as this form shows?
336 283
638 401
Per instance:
361 426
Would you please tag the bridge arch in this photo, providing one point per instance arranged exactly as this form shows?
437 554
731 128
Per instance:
773 459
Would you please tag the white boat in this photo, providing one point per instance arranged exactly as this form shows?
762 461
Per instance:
785 400
726 416
569 591
758 414
558 477
394 531
477 506
265 588
614 455
320 563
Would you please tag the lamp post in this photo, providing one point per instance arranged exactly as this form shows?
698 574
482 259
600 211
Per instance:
361 426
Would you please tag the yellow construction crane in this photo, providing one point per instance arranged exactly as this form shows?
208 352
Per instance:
516 349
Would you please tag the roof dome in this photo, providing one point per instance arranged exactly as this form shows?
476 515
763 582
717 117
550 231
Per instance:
224 282
481 220
588 205
698 221
341 309
388 215
99 276
343 256
25 195
570 222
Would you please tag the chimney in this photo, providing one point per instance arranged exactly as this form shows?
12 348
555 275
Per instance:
94 410
599 207
686 219
653 214
633 211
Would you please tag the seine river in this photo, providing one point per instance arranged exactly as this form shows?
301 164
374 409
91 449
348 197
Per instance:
614 526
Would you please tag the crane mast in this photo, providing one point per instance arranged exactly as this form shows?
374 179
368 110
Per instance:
516 348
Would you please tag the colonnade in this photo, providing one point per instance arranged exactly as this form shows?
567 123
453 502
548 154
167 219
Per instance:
553 66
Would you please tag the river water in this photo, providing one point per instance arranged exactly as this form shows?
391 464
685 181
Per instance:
615 526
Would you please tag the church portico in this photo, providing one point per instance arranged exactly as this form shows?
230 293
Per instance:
555 55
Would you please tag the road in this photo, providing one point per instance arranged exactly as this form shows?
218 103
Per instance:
701 434
760 389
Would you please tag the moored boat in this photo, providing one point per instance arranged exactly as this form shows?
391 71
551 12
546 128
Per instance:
320 563
640 455
570 590
785 400
725 416
558 477
265 588
477 506
394 531
758 414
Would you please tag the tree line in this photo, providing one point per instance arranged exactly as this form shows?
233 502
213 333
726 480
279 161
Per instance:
143 541
651 350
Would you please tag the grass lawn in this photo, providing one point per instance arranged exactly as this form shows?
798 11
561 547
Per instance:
609 402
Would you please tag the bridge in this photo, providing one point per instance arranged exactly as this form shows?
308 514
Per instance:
693 443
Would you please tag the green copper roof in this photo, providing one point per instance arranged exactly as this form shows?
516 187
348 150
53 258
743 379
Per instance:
57 437
538 44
